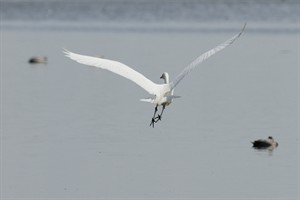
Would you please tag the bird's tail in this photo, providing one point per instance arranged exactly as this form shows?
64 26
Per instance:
171 97
149 100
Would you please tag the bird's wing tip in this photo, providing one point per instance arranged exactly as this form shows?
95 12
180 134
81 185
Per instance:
244 27
66 52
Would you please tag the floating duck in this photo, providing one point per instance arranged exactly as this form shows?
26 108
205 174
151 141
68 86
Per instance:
265 144
38 59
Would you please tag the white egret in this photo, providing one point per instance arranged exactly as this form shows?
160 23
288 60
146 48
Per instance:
162 94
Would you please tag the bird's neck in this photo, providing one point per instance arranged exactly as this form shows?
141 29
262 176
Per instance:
166 79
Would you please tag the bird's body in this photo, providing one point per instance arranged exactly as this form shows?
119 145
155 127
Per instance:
38 59
265 144
162 94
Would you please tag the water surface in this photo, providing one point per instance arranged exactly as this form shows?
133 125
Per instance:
70 131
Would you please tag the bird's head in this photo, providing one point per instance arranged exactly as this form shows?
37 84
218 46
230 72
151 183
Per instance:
270 138
165 77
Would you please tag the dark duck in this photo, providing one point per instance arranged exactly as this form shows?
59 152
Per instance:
264 144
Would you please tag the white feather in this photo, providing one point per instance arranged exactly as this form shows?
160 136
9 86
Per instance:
204 57
116 67
162 93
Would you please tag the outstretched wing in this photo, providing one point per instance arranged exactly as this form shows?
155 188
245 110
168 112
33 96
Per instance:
203 57
115 67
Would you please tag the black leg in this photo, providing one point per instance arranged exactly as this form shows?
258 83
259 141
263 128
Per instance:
160 115
153 118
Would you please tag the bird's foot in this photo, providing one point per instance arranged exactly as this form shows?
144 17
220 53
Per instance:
155 120
158 118
152 122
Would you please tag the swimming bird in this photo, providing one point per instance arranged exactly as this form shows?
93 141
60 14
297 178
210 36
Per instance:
162 94
38 59
265 144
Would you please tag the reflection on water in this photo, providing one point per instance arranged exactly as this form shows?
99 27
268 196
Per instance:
269 149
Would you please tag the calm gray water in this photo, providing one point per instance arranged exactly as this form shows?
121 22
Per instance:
73 132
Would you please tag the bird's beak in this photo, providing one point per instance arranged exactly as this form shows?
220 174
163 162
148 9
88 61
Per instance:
162 76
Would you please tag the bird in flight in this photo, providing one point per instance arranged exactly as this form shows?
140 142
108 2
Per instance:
162 94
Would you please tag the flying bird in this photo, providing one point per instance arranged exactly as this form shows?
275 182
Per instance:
162 94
